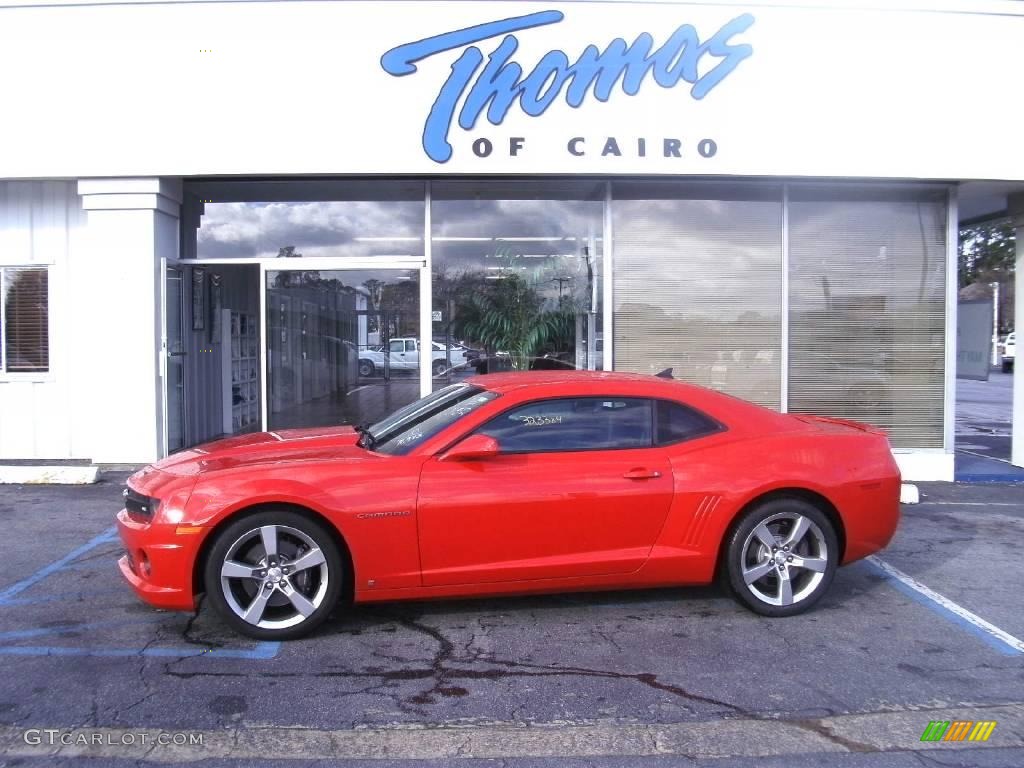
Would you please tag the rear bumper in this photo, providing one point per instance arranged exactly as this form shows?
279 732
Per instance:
875 519
157 563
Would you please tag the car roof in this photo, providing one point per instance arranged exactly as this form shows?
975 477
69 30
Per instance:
584 381
505 382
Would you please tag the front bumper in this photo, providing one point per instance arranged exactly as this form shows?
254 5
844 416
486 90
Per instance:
158 562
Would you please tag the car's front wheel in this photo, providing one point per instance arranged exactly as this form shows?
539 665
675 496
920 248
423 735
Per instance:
781 557
274 575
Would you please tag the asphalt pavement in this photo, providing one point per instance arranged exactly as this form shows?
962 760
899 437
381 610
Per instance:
660 677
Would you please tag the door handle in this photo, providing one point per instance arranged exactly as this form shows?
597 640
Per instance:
642 473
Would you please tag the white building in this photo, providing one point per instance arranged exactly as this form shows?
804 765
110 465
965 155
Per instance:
218 217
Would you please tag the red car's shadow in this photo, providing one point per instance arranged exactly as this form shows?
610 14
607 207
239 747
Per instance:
704 602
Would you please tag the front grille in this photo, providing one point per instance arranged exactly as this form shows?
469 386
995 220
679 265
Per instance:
137 504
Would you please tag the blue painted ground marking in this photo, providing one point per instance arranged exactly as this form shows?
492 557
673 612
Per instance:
42 573
943 606
8 597
21 634
262 651
63 598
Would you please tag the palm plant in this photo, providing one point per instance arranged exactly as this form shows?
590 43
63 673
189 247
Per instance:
509 316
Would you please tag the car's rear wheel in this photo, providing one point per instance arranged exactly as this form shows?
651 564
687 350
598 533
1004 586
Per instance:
274 575
781 557
438 368
366 368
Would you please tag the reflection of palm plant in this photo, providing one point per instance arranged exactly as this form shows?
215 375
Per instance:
509 316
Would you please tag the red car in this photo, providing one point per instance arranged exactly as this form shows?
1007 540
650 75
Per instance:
509 484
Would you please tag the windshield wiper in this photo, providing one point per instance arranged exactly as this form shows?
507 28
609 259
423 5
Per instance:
366 438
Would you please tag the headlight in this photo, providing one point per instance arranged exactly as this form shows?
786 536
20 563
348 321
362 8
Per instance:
139 505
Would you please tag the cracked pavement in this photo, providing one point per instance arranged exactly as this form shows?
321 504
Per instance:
648 671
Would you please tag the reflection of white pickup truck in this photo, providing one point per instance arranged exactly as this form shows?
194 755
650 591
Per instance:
404 355
1009 351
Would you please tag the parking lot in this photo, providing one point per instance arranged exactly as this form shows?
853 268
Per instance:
672 675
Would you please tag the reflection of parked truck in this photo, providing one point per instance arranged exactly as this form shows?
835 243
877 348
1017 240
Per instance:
404 355
1009 351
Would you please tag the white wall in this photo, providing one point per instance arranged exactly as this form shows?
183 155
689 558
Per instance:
41 224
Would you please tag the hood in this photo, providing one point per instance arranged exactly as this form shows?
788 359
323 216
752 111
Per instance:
283 445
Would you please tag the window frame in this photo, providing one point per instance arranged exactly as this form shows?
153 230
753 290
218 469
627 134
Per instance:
471 389
718 427
31 376
527 403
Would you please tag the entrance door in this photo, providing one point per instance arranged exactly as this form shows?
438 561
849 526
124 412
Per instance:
173 351
329 335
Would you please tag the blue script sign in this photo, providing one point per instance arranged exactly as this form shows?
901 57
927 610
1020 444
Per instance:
498 83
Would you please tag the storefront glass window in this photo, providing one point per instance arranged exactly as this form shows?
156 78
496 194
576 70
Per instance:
867 308
343 345
516 276
698 284
294 219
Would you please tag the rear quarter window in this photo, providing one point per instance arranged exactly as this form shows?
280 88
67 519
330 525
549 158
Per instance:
675 423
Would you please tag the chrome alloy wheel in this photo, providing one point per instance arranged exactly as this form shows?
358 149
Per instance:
274 576
784 559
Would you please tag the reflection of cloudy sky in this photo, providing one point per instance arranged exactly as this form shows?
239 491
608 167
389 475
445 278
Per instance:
707 258
699 258
315 228
894 249
545 241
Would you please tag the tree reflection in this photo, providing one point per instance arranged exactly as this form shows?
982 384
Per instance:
507 315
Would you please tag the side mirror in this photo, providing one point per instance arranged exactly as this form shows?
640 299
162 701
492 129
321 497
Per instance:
473 447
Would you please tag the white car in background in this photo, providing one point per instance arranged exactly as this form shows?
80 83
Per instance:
1009 351
404 355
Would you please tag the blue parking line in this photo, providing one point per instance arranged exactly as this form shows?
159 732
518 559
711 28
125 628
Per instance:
8 597
993 636
21 634
53 567
64 598
263 650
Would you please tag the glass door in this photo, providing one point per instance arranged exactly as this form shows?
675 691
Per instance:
342 345
173 357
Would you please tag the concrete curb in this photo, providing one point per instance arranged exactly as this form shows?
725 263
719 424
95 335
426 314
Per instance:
909 494
48 474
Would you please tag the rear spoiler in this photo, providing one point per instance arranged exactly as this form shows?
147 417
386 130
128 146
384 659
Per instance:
848 423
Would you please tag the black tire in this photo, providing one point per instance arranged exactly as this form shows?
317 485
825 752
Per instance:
367 368
438 367
1007 366
746 552
242 542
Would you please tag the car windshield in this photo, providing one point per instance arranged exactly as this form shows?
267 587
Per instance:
407 427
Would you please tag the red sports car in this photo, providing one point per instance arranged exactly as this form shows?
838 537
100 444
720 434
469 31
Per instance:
510 484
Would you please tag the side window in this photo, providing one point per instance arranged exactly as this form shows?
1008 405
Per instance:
410 345
397 346
677 422
573 424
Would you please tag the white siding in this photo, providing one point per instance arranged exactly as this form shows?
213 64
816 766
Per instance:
40 222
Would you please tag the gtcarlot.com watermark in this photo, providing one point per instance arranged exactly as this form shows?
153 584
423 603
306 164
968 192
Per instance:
58 737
